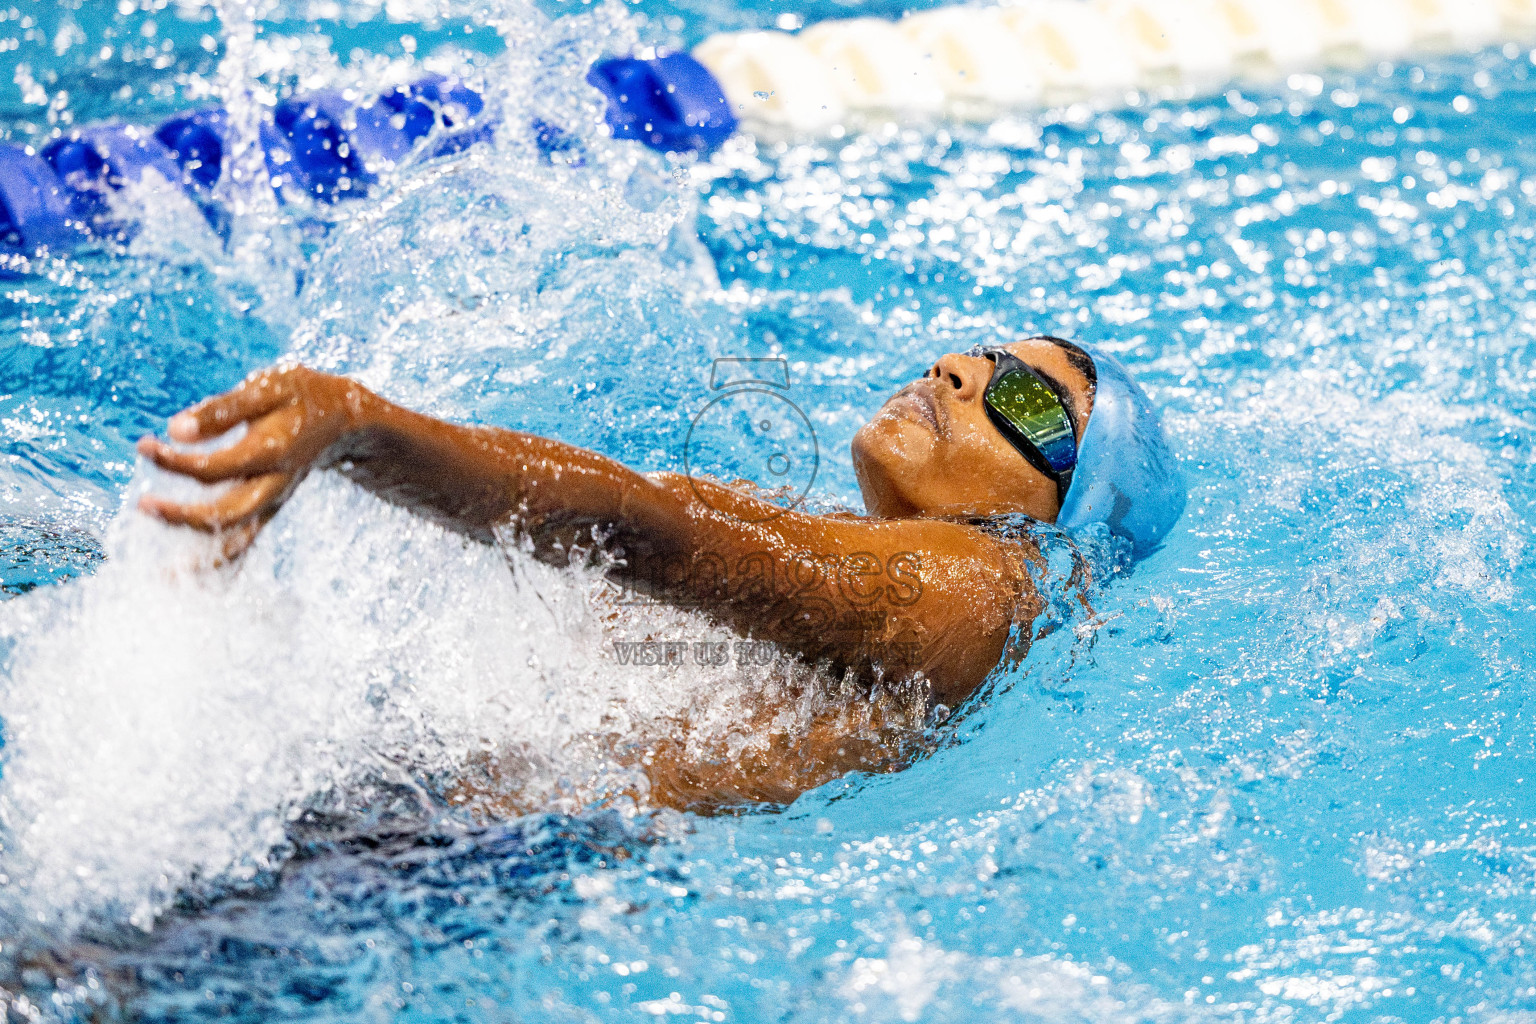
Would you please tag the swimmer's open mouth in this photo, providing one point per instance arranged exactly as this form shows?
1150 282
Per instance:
916 403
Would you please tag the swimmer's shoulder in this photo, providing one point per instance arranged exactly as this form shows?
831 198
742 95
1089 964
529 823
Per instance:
1013 541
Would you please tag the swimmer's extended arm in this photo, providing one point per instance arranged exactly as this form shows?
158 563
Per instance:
892 596
470 479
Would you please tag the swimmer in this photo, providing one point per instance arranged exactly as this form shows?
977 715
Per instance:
924 589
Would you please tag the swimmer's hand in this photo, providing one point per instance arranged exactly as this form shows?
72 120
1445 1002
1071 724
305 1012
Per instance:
296 417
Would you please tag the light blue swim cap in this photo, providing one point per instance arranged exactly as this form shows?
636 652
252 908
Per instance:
1126 475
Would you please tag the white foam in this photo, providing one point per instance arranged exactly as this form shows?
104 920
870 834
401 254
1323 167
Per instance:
165 723
917 979
1457 531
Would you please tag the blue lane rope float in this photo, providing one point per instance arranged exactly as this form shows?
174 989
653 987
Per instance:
670 103
92 163
326 147
34 207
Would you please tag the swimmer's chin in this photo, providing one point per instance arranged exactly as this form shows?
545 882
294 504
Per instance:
894 436
887 451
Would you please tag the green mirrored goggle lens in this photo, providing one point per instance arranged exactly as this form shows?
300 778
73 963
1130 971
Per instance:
1033 409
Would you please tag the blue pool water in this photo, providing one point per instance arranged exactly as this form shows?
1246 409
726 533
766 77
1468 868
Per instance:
1280 774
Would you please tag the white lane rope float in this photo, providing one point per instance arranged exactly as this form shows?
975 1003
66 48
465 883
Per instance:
975 61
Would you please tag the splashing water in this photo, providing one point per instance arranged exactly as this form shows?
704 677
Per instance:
348 650
1278 773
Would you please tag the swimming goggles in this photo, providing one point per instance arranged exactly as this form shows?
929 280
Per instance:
1031 414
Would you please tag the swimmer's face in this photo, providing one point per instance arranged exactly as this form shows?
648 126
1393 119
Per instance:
931 451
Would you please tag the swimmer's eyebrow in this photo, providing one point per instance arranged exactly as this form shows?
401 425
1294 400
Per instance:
1081 361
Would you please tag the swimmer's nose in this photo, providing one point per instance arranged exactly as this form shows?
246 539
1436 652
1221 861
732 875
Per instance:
967 375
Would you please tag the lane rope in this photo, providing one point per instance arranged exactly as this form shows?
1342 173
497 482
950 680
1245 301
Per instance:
963 62
974 61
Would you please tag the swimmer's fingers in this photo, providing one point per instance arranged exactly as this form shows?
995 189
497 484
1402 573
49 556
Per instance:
235 542
265 448
255 396
246 507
